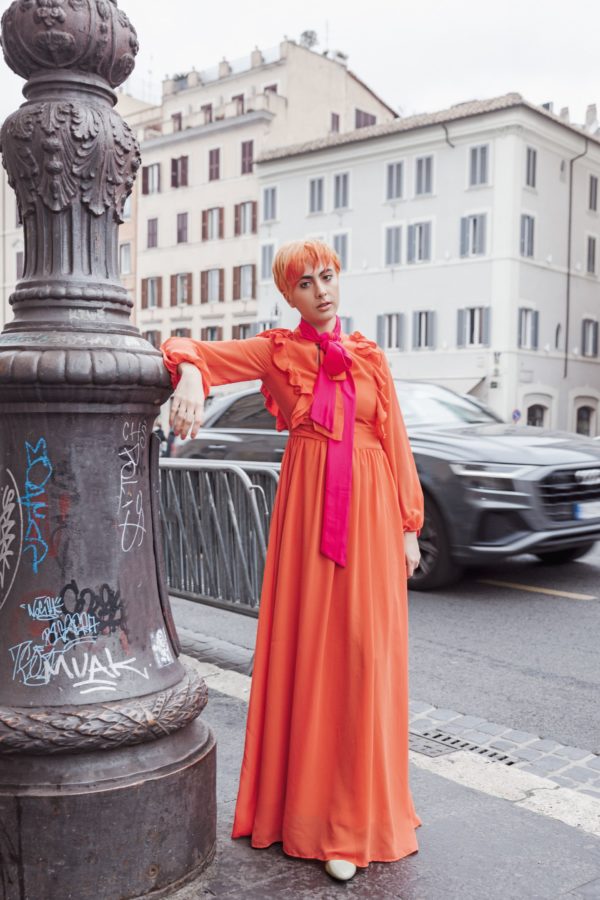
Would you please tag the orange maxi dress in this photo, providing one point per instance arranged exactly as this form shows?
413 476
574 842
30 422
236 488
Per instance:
325 767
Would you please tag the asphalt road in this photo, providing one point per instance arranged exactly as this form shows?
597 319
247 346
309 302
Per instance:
503 651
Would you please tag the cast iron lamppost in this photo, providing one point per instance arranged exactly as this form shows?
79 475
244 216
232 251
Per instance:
107 775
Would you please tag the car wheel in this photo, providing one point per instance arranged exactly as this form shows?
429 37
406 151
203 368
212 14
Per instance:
558 557
437 567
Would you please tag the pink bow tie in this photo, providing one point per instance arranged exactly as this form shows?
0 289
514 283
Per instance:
338 474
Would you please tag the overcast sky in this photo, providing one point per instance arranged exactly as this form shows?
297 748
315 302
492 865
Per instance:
419 56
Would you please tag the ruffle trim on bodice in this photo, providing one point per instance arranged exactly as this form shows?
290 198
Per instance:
280 338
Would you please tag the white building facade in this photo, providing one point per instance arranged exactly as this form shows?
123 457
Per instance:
470 246
198 208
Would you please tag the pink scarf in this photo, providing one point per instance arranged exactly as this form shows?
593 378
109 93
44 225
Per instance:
338 474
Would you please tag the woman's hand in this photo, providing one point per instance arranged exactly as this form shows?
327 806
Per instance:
187 402
411 552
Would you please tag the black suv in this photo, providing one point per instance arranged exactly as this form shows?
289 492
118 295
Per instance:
492 490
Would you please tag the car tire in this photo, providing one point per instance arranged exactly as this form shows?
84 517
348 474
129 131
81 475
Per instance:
559 557
437 568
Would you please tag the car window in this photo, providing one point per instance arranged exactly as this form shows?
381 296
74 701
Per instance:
430 404
246 412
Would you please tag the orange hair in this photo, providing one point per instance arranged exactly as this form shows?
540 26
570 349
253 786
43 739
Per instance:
292 259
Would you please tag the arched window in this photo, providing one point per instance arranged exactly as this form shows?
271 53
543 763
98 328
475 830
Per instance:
585 420
536 415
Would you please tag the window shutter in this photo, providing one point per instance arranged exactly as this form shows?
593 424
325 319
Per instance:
204 287
347 324
144 293
184 171
159 291
536 329
584 328
158 170
400 331
595 340
221 285
415 330
173 290
204 224
221 222
483 172
486 325
464 236
522 235
220 333
432 329
145 180
235 332
411 243
254 216
481 233
521 327
174 179
189 286
237 225
236 282
381 331
255 329
254 281
427 241
460 328
204 334
473 171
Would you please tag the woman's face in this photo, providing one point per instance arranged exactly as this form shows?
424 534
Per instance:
317 296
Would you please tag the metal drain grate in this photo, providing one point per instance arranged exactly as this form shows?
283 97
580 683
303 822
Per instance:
437 743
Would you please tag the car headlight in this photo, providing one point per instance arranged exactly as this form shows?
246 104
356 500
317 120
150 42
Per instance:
490 476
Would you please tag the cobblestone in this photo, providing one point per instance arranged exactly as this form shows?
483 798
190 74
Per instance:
443 715
572 752
417 707
526 753
492 728
503 745
579 773
520 737
544 765
549 746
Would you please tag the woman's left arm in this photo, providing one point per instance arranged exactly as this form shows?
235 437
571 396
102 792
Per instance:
402 463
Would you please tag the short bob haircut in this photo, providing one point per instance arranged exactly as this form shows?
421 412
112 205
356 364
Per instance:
292 259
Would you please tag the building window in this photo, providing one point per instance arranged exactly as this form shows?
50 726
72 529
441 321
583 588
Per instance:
340 245
152 233
593 198
212 286
267 252
315 195
591 255
586 421
151 179
126 214
472 235
424 175
363 119
347 324
179 172
182 228
182 332
530 167
245 218
153 338
247 157
211 333
390 328
20 263
394 181
589 338
537 415
419 242
473 326
478 165
244 282
269 204
238 99
527 235
151 293
207 112
269 89
177 121
528 329
393 245
335 123
341 185
423 329
181 289
213 223
214 164
125 259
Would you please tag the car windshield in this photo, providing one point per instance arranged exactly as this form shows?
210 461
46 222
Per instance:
430 404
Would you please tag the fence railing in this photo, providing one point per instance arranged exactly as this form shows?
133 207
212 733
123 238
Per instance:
216 517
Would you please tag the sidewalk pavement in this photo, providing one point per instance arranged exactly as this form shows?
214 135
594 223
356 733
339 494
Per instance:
489 831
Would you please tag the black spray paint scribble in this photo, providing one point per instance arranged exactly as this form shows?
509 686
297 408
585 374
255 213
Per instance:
105 605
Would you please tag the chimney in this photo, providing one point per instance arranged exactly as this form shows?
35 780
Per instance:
591 117
256 58
224 68
564 113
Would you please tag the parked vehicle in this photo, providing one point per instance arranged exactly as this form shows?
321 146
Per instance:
492 490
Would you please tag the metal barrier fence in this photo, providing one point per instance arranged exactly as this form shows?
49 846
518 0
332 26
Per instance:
216 517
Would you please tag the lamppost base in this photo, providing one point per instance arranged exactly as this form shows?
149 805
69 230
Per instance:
120 824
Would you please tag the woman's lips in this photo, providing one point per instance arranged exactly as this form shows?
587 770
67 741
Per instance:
325 305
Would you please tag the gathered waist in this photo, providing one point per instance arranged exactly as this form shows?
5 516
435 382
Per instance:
365 436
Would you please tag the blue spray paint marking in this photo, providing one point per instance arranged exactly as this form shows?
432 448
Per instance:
37 475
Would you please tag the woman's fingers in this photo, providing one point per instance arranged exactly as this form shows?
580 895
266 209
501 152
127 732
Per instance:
186 416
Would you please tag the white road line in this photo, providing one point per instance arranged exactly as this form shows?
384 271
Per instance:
524 789
533 589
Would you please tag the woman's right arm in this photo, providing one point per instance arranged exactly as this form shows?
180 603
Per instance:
196 366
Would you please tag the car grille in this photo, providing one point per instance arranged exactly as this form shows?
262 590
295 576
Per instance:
561 490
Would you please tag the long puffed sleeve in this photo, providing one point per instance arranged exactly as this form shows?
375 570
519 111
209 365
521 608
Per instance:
220 362
402 463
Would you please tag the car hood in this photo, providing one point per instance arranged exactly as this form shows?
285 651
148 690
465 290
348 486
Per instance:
500 443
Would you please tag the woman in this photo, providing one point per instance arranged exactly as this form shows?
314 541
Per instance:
325 767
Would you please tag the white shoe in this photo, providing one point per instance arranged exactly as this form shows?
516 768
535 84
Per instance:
340 869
